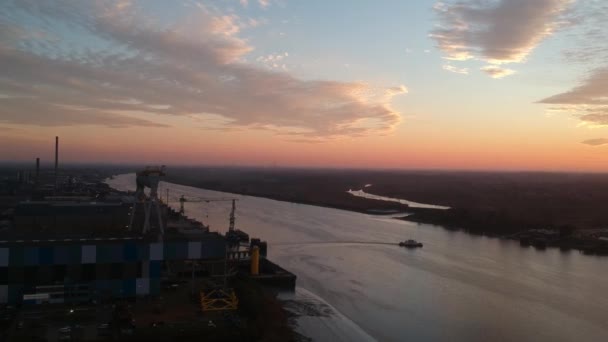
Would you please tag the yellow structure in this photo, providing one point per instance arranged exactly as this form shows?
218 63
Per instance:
255 260
219 299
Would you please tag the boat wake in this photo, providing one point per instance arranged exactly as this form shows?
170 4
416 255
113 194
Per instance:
333 243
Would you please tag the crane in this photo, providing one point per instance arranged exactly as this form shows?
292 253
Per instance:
148 178
183 200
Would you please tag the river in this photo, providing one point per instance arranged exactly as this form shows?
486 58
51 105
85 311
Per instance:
361 193
459 287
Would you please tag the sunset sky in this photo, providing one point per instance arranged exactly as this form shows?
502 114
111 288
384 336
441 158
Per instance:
469 84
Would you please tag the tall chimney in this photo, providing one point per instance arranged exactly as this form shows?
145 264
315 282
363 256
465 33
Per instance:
56 160
37 173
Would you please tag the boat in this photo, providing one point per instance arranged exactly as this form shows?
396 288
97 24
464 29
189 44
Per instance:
410 244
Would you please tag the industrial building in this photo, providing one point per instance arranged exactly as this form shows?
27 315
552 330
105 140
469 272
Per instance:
73 247
82 261
61 251
75 241
87 269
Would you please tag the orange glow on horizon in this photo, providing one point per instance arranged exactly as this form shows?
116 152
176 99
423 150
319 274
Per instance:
259 148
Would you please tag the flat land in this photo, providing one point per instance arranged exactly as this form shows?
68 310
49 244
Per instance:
495 202
491 203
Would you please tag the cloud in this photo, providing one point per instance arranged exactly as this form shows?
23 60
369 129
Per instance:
586 43
595 142
496 71
33 112
595 119
592 91
136 68
274 61
264 3
588 101
396 91
451 68
497 31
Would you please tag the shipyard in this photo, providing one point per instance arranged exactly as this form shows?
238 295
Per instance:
303 171
82 261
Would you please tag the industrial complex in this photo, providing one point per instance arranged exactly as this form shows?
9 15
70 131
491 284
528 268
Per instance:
67 241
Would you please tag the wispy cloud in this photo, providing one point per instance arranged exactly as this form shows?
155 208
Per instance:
496 71
592 91
496 32
595 142
274 61
146 70
32 111
587 41
451 68
588 101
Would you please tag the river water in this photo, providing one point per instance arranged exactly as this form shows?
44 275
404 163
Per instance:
459 287
361 193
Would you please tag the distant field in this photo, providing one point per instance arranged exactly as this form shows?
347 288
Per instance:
503 201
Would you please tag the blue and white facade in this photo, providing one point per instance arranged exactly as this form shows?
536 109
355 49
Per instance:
86 269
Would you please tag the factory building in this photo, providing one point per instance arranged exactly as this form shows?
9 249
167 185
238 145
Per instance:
68 241
70 216
84 269
67 248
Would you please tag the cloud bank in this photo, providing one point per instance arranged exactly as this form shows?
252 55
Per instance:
135 67
496 31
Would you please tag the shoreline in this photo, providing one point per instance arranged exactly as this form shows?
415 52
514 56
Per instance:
315 319
266 316
411 204
383 208
537 236
307 316
453 219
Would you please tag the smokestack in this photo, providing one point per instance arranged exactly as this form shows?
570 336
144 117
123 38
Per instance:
56 160
37 169
56 153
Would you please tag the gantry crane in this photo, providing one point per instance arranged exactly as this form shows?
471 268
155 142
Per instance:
148 178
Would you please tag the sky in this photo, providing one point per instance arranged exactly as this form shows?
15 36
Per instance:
468 84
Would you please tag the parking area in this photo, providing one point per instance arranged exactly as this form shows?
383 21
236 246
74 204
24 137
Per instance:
176 311
61 322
